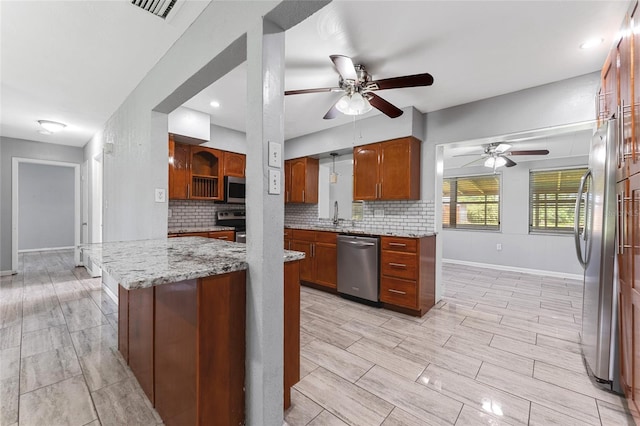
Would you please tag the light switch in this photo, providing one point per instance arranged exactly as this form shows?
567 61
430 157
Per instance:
160 195
274 182
275 155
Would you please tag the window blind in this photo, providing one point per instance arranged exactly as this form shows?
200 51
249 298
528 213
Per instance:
552 200
471 202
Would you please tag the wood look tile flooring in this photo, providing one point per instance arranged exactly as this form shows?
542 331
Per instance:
59 363
500 348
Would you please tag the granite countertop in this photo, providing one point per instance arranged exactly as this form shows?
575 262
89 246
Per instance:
200 229
146 263
345 229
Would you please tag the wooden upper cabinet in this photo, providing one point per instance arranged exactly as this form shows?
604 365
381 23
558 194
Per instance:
179 173
366 177
634 113
301 176
234 164
287 181
206 173
387 170
400 169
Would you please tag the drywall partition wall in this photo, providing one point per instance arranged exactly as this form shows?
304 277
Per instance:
369 130
9 148
46 206
519 249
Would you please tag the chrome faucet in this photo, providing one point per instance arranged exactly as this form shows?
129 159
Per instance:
335 213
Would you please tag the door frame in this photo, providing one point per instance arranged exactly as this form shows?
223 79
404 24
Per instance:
15 164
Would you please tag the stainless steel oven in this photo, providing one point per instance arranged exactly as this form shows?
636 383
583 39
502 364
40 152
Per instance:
235 219
234 190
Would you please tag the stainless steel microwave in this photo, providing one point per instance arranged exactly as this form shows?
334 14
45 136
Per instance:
234 190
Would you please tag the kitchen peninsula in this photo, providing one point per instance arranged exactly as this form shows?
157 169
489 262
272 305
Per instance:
181 323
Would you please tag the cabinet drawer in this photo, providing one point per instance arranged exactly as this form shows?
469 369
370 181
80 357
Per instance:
304 235
401 265
398 292
326 237
399 244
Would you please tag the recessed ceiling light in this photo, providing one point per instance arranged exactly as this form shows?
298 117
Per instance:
215 104
591 43
51 126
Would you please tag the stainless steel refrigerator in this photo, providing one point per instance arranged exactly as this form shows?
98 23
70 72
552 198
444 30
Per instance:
596 250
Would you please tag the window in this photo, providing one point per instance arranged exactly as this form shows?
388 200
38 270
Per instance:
471 202
553 199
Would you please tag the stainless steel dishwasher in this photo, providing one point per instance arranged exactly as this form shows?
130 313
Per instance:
358 267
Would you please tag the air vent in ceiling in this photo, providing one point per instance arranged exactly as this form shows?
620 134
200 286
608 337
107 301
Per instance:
159 8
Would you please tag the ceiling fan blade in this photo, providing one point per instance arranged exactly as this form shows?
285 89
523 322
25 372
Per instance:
319 90
530 152
470 155
509 161
384 106
471 162
332 113
345 67
398 82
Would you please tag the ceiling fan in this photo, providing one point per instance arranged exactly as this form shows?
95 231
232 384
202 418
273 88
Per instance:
497 155
358 88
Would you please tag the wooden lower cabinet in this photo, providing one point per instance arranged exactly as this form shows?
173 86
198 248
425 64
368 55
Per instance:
320 265
407 274
185 343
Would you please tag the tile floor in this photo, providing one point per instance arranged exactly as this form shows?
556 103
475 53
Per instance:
501 348
59 363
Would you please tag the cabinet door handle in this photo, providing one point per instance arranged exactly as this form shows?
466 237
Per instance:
223 238
397 291
397 265
397 244
303 195
313 250
188 191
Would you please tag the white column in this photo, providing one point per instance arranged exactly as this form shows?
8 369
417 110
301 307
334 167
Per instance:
265 223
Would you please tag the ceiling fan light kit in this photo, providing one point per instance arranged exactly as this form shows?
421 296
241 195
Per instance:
355 104
358 88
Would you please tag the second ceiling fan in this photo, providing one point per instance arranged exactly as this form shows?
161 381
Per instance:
497 154
358 88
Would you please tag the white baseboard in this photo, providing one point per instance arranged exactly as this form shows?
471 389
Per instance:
110 293
46 249
516 269
9 272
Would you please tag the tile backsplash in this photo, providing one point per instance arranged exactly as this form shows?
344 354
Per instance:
196 213
412 216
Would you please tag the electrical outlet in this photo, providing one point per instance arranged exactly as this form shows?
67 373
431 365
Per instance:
274 182
378 213
275 154
499 247
160 195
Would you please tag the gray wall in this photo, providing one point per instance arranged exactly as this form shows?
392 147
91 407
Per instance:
9 148
46 210
543 252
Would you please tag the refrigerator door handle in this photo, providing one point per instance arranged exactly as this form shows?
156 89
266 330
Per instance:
576 222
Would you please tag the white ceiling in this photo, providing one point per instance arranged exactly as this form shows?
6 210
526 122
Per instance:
77 61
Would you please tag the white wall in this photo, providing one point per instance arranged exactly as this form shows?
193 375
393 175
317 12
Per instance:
542 252
227 139
46 206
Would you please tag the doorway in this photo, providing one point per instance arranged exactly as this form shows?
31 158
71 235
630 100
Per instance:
43 210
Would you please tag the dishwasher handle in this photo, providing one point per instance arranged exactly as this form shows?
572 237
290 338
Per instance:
359 243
